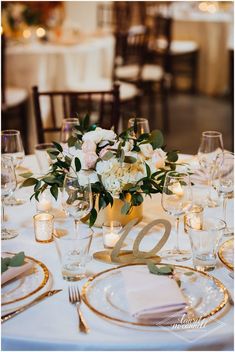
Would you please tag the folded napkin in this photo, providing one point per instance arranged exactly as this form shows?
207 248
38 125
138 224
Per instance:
152 298
13 272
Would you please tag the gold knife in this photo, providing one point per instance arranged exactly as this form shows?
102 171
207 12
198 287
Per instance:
35 301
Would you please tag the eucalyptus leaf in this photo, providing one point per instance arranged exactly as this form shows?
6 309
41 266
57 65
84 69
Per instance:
156 139
29 182
26 174
54 191
77 164
108 155
17 260
130 159
125 208
189 273
58 146
160 270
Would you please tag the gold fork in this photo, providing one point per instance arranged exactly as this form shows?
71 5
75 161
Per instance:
75 298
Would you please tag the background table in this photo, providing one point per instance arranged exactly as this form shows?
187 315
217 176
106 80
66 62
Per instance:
52 324
55 67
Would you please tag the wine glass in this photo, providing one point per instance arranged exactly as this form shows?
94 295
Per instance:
141 126
224 184
76 198
11 145
67 129
177 199
211 146
8 185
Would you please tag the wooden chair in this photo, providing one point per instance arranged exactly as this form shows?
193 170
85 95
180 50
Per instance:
137 62
14 102
73 103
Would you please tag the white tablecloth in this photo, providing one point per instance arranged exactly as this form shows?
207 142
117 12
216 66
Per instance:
52 324
55 67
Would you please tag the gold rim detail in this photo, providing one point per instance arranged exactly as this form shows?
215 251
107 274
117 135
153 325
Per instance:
228 264
41 285
117 320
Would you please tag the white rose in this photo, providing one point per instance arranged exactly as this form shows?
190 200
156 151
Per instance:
146 150
85 176
104 166
108 135
111 184
94 136
88 146
99 135
158 158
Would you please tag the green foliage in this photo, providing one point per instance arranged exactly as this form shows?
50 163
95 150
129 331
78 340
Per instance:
61 163
160 270
16 260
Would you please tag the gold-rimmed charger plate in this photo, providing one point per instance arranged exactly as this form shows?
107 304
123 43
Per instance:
25 285
226 253
104 294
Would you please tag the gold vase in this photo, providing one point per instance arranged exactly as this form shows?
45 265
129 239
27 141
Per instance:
114 213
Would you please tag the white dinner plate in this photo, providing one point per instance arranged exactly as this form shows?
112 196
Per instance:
105 295
26 287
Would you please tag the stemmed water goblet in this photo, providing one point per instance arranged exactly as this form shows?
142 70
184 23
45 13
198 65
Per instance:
11 145
67 130
176 200
8 185
140 125
224 184
76 198
211 146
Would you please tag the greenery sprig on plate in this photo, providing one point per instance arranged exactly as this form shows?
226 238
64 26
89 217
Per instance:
16 260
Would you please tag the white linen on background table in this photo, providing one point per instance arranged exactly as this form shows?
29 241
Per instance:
55 67
52 324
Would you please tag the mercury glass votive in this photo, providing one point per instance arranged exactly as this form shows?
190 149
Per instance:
111 233
43 227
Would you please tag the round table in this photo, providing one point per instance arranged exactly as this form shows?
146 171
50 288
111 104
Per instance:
52 323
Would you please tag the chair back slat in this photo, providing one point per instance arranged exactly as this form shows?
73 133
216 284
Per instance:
52 105
76 103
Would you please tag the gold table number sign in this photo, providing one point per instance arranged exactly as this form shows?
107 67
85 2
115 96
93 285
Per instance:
116 255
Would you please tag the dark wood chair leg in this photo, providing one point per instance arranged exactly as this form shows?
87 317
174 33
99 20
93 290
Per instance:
23 115
165 106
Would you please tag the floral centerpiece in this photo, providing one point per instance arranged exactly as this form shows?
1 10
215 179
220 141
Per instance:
123 166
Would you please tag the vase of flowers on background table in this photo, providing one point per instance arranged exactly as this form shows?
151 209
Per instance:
122 169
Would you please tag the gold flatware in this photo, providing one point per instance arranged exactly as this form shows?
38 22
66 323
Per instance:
75 298
35 301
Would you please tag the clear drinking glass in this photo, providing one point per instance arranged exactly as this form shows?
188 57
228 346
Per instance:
142 126
73 252
204 243
211 146
11 145
8 185
67 129
225 184
177 200
76 198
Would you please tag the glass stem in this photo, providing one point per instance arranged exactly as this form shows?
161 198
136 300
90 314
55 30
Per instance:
3 212
225 200
76 223
177 233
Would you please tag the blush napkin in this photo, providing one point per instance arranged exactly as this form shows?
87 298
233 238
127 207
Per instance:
13 272
153 297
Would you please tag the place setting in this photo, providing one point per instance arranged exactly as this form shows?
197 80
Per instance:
116 294
117 176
